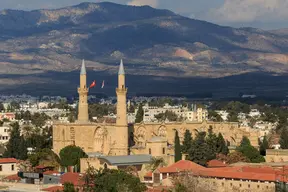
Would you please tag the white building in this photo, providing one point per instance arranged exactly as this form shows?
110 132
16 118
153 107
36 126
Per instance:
223 114
4 134
197 114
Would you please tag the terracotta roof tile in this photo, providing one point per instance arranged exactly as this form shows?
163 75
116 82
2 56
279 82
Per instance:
216 163
8 160
181 166
148 174
74 178
12 178
53 189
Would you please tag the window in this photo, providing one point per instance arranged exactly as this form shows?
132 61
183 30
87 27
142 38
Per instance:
12 167
163 150
222 184
0 167
149 151
248 185
258 186
240 185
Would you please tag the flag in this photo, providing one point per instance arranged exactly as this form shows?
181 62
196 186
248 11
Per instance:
102 84
93 84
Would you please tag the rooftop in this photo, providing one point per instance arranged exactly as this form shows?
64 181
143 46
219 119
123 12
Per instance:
127 159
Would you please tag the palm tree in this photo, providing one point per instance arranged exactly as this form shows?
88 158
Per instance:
27 131
155 163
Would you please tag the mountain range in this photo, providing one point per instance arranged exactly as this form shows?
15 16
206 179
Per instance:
152 42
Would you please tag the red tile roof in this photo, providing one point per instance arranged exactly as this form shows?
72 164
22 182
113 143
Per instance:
241 172
181 165
12 178
8 160
53 189
216 163
148 174
74 178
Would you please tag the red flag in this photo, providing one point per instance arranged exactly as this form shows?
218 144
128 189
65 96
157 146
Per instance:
102 84
93 84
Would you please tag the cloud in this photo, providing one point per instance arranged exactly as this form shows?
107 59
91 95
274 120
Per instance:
152 3
250 11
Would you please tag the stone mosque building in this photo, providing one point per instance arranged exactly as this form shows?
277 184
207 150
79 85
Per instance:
107 145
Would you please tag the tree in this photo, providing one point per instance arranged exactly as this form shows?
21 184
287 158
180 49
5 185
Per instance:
187 142
69 187
232 117
200 152
212 115
111 180
16 147
211 140
284 138
233 157
155 163
177 148
221 145
187 181
249 151
71 155
2 108
263 145
44 157
140 114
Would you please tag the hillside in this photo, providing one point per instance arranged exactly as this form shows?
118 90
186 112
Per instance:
152 42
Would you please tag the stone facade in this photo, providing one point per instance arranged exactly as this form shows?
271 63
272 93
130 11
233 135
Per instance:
112 139
230 131
107 139
276 155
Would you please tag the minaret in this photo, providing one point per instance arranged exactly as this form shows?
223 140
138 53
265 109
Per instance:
121 92
83 94
121 132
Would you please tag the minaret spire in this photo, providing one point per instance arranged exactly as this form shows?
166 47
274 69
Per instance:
83 68
121 122
121 68
83 95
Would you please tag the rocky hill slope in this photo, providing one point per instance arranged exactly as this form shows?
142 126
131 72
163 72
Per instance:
151 42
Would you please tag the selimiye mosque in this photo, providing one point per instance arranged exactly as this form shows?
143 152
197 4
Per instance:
107 144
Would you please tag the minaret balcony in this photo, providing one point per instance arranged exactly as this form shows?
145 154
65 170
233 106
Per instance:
121 90
83 90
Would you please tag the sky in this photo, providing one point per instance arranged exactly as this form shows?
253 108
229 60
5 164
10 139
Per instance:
265 14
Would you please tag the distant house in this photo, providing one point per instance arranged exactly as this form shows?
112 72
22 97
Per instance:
8 166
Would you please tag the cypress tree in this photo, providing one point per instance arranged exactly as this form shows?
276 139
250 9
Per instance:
177 148
249 151
211 140
187 142
140 114
264 145
16 146
200 152
221 146
284 138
